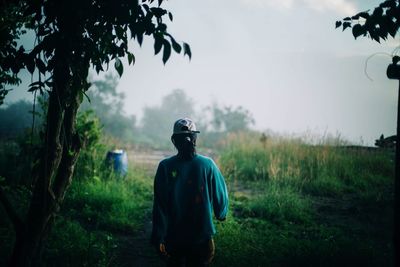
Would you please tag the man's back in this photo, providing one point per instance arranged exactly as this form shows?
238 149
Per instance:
187 189
191 190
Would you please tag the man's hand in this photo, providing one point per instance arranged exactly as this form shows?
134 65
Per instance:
162 250
211 251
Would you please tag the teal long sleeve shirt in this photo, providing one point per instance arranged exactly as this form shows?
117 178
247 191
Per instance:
186 193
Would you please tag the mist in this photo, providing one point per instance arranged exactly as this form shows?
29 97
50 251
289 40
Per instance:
285 63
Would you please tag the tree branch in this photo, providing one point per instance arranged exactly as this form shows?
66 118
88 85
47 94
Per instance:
12 214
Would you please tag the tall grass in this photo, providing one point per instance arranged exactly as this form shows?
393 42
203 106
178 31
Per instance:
296 204
318 170
275 203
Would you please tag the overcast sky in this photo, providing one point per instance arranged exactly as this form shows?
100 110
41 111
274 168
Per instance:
281 59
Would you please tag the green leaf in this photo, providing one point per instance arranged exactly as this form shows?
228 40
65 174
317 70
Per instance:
119 32
30 10
146 7
30 64
33 89
364 15
374 35
158 42
166 51
40 65
171 18
358 30
80 95
338 24
99 68
119 67
393 30
378 12
87 97
388 4
346 25
186 50
177 47
382 33
139 37
162 27
131 59
158 12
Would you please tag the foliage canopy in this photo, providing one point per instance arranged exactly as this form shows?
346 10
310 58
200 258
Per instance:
378 24
88 33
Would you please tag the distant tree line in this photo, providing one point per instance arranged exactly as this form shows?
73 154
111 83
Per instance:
15 118
152 130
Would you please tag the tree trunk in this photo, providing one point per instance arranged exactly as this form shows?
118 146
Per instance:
60 153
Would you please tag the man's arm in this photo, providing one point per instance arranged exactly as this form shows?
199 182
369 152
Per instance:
220 194
159 207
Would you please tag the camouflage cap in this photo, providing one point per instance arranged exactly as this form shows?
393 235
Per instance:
184 125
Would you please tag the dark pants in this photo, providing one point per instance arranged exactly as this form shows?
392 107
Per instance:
199 255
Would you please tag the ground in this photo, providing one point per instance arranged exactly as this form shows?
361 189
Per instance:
134 250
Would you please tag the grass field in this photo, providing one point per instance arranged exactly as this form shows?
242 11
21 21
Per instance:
299 205
291 204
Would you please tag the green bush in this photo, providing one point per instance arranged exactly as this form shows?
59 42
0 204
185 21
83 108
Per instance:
90 165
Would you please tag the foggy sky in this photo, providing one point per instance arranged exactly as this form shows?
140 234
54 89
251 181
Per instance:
281 59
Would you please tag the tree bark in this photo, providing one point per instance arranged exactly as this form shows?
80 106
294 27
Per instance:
47 199
59 155
40 209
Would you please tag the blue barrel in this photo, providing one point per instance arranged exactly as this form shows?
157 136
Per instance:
119 161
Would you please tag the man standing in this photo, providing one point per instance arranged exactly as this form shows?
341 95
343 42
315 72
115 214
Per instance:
188 187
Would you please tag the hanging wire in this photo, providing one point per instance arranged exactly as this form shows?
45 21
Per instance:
396 51
367 60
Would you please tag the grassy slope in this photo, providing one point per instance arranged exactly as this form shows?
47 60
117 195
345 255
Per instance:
291 205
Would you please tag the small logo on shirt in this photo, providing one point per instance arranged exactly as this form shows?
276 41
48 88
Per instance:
174 174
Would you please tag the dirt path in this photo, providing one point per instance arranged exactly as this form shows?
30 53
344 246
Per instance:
134 249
